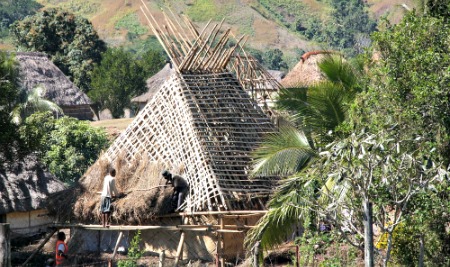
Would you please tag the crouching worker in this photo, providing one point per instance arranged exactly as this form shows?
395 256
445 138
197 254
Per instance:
180 186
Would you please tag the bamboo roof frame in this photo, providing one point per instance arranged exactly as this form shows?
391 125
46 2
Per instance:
208 52
201 124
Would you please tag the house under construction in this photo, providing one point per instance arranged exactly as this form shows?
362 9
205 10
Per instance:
202 125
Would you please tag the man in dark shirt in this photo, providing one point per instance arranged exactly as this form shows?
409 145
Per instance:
180 186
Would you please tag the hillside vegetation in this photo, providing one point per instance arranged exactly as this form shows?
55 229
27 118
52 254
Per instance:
268 24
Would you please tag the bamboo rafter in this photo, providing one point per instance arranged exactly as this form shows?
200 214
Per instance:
189 49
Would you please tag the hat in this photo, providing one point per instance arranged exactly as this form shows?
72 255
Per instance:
165 173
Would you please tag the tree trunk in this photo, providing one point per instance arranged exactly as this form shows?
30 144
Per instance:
422 251
368 234
5 245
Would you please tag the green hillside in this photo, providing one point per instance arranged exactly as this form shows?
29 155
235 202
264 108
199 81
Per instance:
268 24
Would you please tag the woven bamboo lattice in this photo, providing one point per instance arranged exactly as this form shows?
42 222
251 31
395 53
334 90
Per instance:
201 119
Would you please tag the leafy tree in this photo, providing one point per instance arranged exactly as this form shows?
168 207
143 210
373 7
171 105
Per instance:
66 146
350 24
273 59
408 95
152 61
9 88
117 79
12 10
71 41
31 102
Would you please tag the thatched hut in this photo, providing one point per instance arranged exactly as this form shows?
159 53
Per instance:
153 84
24 189
202 124
307 71
37 69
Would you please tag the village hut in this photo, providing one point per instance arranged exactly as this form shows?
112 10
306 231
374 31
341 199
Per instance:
24 189
37 69
153 84
200 124
307 71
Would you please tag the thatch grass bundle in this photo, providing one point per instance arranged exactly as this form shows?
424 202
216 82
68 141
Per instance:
146 194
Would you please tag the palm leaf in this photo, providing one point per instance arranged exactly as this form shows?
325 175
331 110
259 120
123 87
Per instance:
282 153
287 208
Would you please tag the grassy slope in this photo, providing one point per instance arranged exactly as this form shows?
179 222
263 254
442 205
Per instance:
242 16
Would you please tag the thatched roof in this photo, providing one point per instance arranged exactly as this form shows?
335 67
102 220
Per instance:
25 186
154 83
200 124
37 69
306 72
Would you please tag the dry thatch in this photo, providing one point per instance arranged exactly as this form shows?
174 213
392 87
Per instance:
306 72
146 194
25 186
36 69
200 124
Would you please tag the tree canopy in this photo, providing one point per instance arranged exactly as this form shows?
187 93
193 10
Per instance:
12 10
71 41
120 77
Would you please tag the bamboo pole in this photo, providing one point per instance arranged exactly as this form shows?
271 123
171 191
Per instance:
117 245
180 245
47 238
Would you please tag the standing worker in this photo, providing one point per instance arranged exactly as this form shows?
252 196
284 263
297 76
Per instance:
109 189
61 249
180 186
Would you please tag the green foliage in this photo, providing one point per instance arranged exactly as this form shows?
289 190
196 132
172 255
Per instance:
408 92
33 101
321 108
117 79
134 252
12 10
141 46
9 88
131 23
35 131
203 10
152 61
350 27
67 146
283 153
71 41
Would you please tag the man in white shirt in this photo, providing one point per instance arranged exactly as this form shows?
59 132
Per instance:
109 190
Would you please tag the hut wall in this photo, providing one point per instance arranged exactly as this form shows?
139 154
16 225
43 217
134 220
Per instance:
81 112
233 243
30 222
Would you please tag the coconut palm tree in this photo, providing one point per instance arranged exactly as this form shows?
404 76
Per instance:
318 111
32 102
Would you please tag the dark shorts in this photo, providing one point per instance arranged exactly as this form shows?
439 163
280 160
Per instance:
105 205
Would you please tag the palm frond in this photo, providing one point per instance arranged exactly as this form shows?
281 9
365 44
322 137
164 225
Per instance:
338 71
282 153
287 209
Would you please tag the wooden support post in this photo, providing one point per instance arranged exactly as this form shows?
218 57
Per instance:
5 245
119 238
162 256
47 238
222 263
180 245
179 249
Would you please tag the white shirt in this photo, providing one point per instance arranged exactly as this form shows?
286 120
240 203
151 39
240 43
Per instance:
109 186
